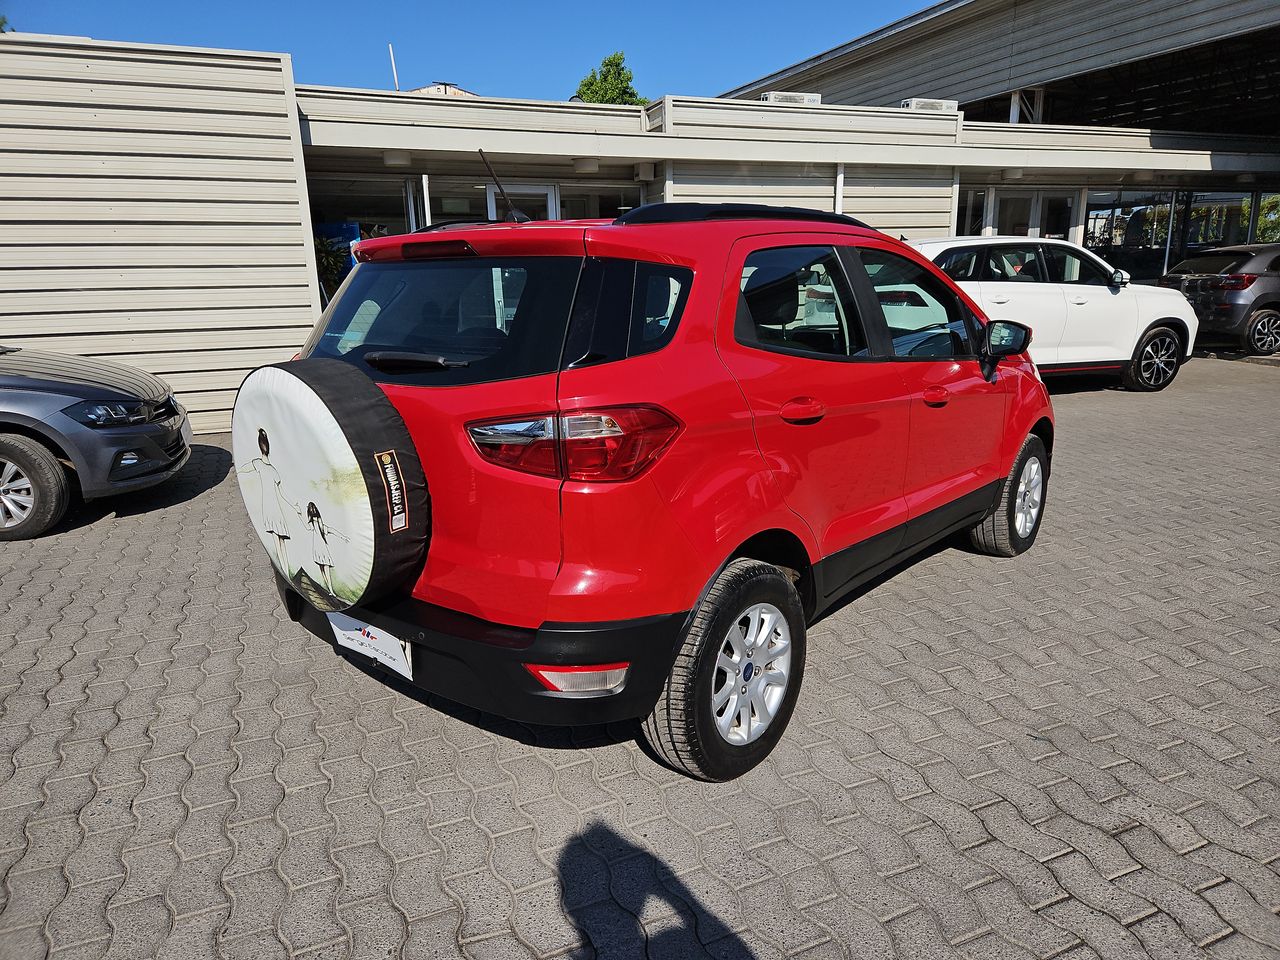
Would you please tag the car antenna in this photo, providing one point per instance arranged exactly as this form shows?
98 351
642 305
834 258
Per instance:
514 215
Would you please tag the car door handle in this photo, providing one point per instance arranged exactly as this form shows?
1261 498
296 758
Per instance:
1078 301
803 410
998 299
936 396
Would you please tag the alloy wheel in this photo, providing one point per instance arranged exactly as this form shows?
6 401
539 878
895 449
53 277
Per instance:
17 497
752 669
1029 497
1266 334
1159 361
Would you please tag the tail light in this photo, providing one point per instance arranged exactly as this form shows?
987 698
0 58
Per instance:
597 678
606 445
1233 281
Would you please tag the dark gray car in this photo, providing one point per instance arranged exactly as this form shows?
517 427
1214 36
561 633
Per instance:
75 425
1235 292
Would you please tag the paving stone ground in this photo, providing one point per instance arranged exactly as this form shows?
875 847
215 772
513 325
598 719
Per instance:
1073 754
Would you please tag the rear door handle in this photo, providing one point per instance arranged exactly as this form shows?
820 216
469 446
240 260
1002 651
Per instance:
936 396
998 299
1079 301
803 410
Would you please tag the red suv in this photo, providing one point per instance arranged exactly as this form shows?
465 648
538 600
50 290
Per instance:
589 471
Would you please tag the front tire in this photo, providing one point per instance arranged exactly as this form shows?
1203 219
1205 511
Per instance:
736 676
1013 527
34 490
1262 336
1155 362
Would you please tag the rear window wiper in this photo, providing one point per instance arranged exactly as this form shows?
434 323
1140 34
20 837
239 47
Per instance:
408 360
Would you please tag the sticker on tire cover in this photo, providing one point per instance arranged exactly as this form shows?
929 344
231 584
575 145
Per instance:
392 482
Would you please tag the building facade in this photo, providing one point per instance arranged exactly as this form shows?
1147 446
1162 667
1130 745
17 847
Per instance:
187 210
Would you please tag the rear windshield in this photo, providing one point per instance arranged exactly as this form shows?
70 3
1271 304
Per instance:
503 317
1213 263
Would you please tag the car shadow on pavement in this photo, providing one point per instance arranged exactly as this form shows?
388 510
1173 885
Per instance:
609 883
207 467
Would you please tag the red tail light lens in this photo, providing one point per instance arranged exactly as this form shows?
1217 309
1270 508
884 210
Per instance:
616 443
605 445
528 444
1233 281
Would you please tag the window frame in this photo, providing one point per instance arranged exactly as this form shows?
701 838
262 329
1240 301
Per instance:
854 306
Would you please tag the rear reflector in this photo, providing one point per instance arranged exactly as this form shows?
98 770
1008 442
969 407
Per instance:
606 445
597 678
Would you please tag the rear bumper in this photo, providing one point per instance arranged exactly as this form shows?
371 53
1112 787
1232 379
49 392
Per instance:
482 664
1223 316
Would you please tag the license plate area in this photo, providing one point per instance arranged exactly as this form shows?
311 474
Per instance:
373 642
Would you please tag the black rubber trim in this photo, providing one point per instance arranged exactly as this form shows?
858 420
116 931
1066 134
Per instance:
374 429
701 212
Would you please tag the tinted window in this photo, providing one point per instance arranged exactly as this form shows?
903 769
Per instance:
658 297
1211 263
925 318
962 263
503 317
1068 267
1022 263
796 299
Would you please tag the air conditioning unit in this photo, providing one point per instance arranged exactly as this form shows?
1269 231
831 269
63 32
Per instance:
927 103
788 96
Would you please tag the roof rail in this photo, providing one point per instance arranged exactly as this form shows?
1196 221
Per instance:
696 212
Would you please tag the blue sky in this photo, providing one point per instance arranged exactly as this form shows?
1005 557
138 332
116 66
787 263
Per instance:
531 49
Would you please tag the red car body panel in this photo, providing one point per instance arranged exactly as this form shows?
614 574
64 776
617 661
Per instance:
525 550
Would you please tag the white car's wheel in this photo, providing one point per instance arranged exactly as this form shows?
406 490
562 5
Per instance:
1155 362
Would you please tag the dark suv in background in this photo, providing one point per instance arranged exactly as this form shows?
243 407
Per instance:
1235 292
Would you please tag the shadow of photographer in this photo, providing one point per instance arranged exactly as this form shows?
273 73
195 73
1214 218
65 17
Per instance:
610 883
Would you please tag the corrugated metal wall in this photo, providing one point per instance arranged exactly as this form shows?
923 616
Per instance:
992 46
796 185
153 211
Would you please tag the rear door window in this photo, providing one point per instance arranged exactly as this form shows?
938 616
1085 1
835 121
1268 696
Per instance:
797 300
1016 263
489 318
962 263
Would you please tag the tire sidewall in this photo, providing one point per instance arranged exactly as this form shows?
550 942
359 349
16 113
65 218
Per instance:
46 511
1254 323
1136 377
1034 447
722 760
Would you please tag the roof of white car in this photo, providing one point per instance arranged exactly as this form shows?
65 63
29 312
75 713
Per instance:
981 241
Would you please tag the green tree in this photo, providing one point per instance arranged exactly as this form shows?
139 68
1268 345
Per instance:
611 83
4 24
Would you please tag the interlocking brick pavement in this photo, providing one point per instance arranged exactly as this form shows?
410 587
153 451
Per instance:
1073 754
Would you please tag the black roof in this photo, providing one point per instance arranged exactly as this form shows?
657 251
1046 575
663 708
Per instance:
701 212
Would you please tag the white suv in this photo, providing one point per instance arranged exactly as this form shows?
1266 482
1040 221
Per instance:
1084 315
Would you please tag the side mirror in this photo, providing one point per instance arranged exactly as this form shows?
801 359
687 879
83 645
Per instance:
1120 278
1004 338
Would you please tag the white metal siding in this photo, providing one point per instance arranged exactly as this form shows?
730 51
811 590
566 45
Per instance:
796 185
990 47
153 211
913 202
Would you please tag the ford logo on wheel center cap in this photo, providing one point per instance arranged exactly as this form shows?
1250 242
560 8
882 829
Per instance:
747 671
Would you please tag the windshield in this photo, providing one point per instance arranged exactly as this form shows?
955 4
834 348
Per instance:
1212 263
495 318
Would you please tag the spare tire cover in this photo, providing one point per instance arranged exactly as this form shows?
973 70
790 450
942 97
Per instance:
331 480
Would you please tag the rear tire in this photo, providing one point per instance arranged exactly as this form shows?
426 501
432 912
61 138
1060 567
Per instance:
1013 527
748 634
1156 361
1262 336
34 490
